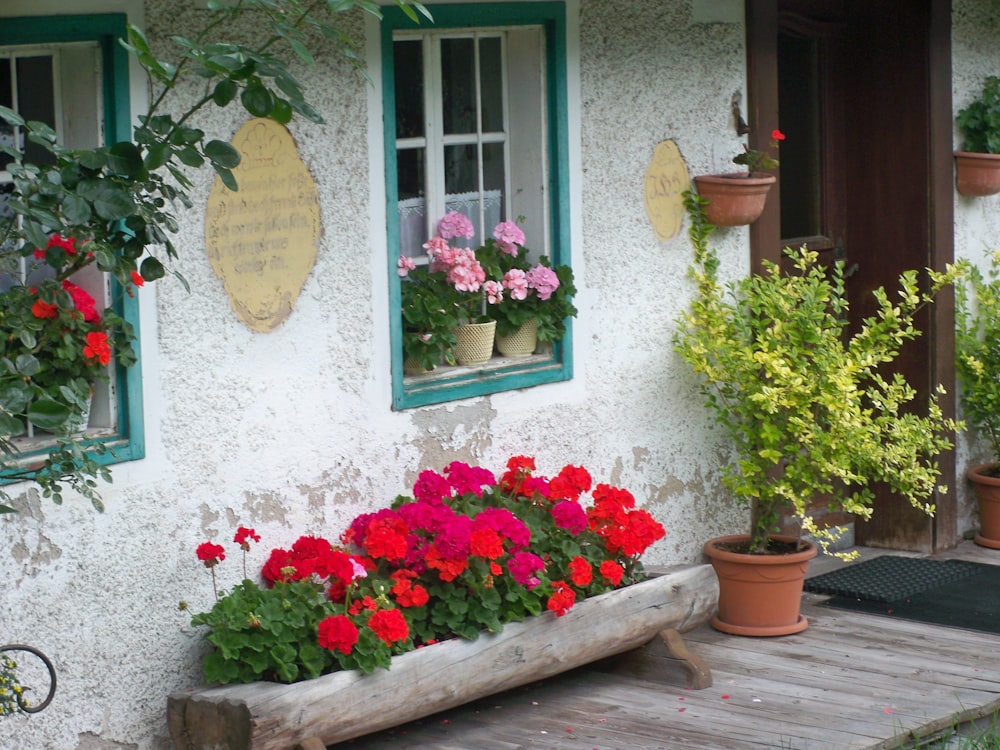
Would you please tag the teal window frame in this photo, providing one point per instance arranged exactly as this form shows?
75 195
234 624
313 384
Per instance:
551 17
107 29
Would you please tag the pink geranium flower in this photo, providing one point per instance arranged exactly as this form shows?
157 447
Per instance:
454 224
543 280
494 292
405 264
508 236
515 282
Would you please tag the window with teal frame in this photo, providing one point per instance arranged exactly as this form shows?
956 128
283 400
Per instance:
475 113
72 73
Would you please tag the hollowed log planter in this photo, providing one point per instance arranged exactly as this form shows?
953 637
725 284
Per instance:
343 705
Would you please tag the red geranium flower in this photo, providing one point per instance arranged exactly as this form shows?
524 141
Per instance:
210 554
486 543
569 483
448 569
43 309
83 302
243 537
580 572
337 633
562 599
97 347
612 571
389 625
56 240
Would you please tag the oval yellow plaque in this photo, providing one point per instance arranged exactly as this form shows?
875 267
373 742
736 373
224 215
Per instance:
666 178
262 239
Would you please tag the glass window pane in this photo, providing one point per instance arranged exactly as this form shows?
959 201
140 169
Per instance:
412 205
7 100
409 74
461 169
36 100
491 85
458 86
410 171
493 166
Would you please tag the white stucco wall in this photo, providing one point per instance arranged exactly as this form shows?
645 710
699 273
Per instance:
975 54
292 432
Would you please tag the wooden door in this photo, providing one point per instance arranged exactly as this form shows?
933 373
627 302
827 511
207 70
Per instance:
861 89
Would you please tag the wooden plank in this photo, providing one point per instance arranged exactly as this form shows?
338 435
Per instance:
850 682
342 705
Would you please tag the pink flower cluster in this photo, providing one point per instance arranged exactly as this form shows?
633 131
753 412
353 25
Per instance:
508 236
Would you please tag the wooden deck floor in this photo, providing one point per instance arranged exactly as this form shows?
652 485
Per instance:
849 681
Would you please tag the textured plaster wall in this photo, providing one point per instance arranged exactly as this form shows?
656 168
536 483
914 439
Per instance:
291 432
975 54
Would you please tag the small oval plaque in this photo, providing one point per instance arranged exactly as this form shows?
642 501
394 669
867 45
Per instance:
666 178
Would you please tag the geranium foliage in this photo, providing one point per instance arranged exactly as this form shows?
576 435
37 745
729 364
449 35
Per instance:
466 553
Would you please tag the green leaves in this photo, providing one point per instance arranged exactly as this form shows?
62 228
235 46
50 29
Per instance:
977 346
980 120
799 393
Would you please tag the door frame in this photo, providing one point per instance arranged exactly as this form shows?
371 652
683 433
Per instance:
762 111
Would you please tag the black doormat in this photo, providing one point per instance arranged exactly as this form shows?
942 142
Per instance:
944 592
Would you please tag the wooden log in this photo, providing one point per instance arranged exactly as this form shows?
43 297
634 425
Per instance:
343 705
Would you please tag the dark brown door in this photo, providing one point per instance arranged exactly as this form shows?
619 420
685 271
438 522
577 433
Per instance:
861 89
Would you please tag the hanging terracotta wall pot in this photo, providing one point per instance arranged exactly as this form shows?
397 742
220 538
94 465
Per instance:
734 199
759 595
977 174
987 489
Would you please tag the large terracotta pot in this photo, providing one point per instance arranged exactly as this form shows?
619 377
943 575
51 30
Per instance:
987 491
977 174
759 595
734 199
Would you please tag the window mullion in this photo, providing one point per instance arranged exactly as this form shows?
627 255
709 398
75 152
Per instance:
505 104
434 133
480 178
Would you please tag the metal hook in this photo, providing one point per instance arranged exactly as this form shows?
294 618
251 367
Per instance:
741 125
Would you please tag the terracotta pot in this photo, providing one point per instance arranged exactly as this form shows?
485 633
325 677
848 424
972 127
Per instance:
977 174
987 491
759 595
734 199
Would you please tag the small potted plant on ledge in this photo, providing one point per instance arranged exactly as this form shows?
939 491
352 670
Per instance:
429 318
738 198
810 411
977 352
58 344
462 300
977 166
537 297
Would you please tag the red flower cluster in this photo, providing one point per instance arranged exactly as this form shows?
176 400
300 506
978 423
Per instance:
467 552
313 557
625 529
210 554
243 537
337 633
97 347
